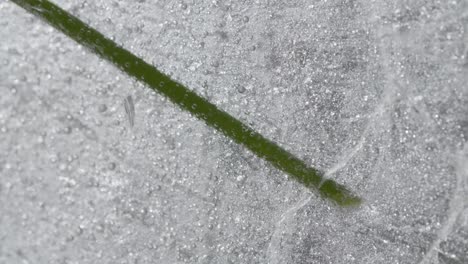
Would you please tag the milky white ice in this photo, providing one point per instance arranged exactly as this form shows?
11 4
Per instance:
372 93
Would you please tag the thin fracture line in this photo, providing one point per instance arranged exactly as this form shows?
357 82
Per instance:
188 100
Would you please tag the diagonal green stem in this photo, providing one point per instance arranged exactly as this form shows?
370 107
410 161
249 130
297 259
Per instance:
188 100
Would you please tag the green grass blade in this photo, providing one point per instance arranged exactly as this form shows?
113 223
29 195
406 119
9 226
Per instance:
188 100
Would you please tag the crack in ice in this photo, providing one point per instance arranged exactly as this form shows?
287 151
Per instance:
274 244
456 205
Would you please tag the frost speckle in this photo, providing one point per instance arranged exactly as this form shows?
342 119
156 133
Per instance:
371 93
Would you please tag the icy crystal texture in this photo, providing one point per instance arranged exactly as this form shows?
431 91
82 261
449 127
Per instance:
373 93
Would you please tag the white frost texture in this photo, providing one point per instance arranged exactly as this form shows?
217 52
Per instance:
95 167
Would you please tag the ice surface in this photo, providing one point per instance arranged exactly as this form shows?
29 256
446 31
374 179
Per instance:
374 93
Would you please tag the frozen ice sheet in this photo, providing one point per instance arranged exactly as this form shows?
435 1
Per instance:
373 93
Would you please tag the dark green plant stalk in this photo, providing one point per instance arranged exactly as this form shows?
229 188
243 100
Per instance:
188 100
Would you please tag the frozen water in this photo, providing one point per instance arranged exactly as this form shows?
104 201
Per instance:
374 93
